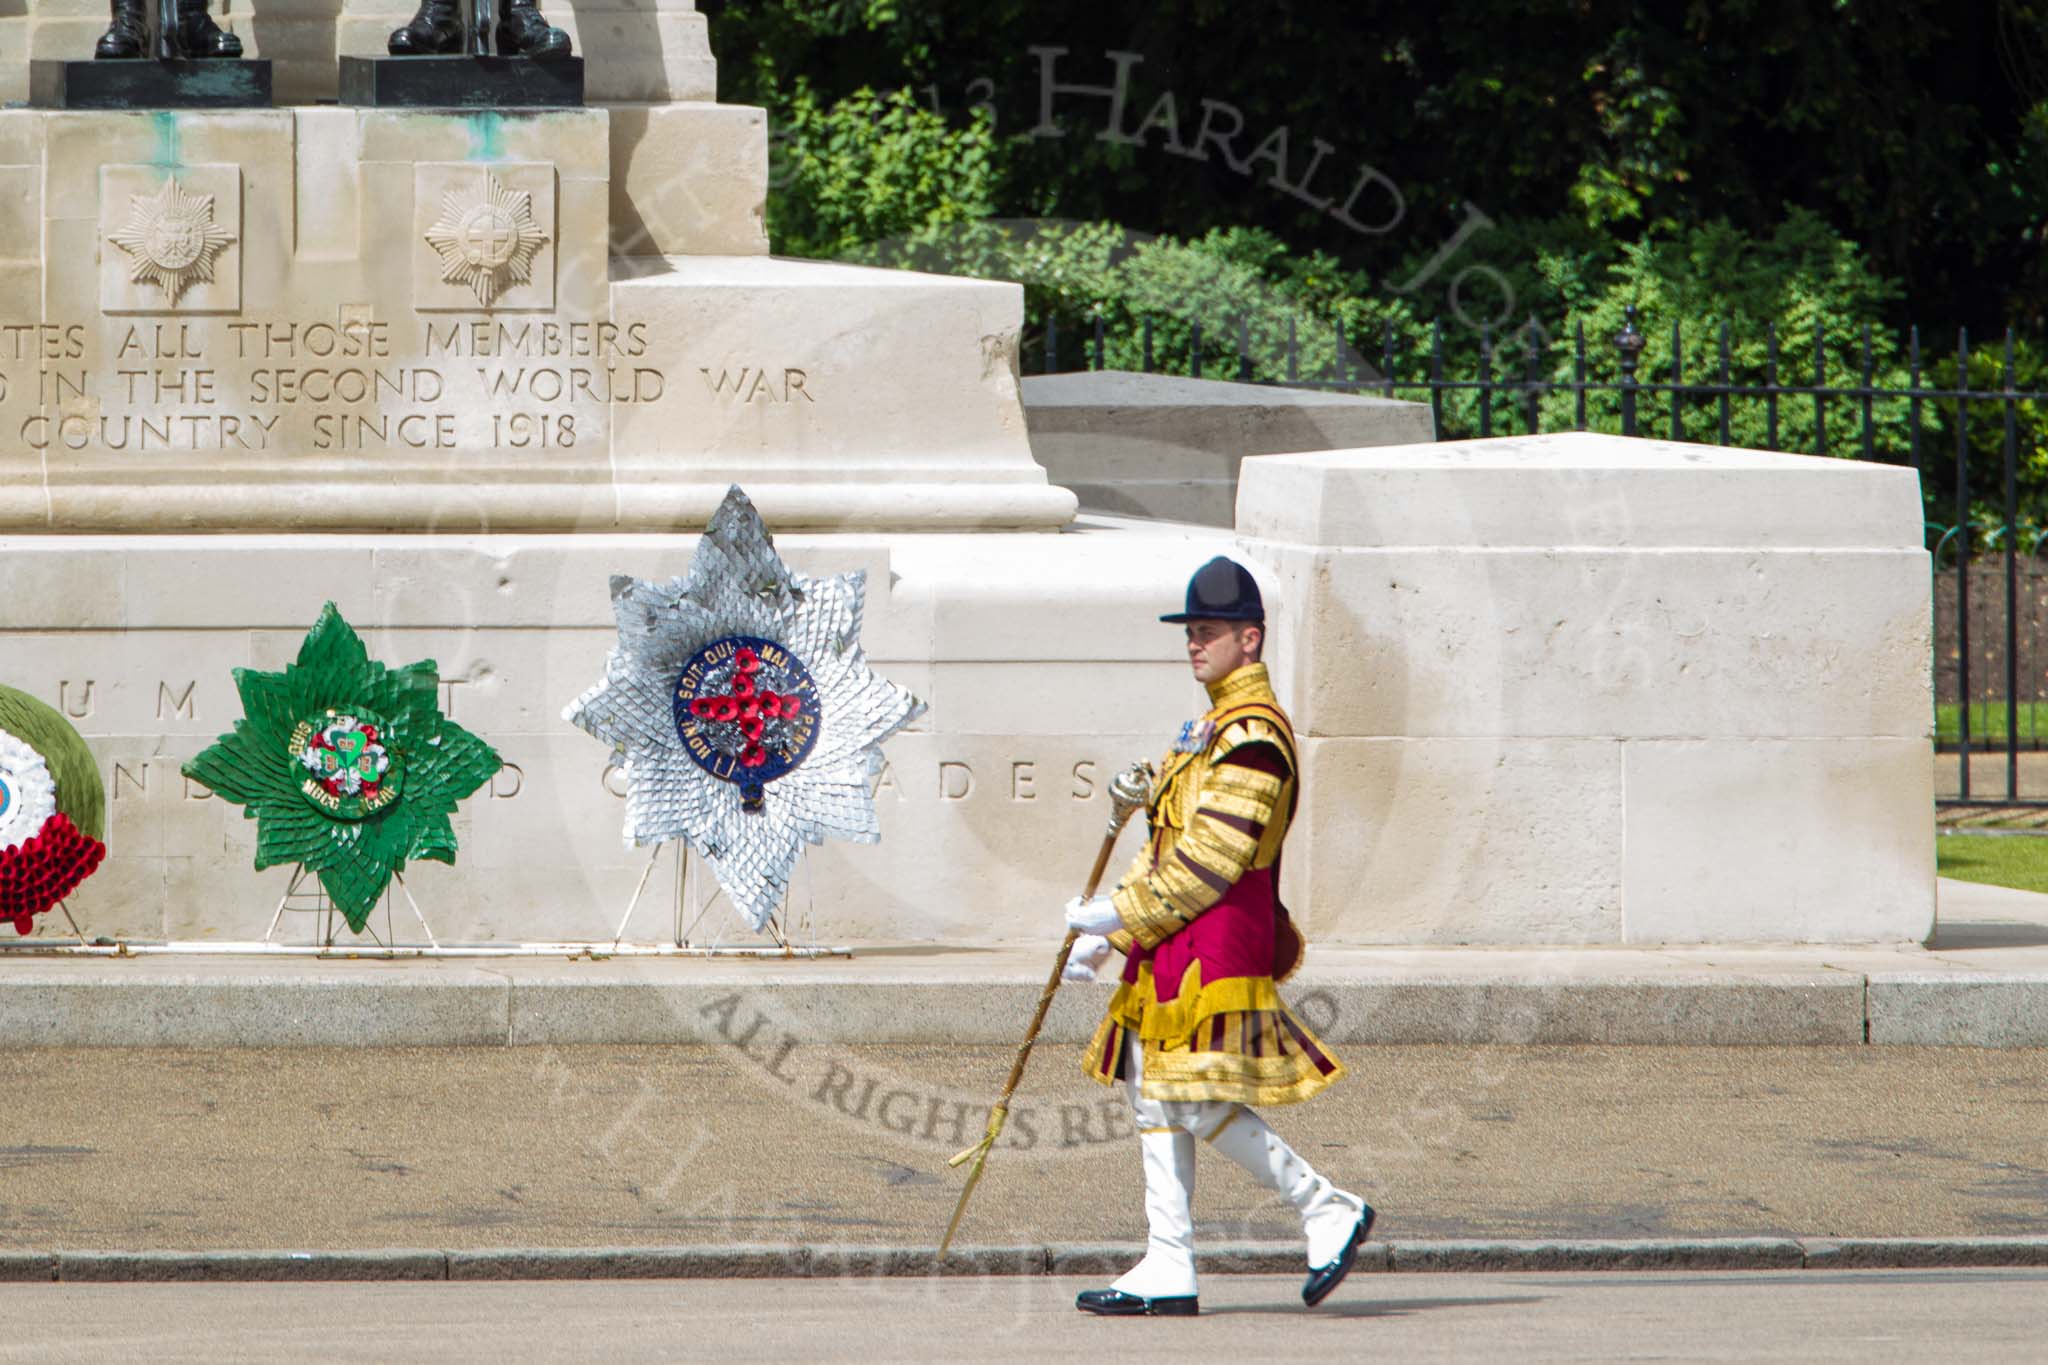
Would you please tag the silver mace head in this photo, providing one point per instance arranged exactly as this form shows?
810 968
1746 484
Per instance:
1130 791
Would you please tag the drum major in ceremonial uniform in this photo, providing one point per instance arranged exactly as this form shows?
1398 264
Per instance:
1196 1032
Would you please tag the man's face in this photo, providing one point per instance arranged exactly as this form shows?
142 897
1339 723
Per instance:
1216 649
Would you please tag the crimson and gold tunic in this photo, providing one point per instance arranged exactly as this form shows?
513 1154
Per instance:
1202 922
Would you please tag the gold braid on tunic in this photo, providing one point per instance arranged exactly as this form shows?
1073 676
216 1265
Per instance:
1212 822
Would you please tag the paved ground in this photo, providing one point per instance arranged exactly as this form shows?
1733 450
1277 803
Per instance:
1801 1316
515 1147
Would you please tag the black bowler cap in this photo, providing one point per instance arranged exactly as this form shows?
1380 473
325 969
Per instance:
1221 590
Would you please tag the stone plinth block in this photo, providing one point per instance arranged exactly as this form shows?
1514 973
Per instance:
1586 689
908 416
461 82
368 319
1166 446
1758 839
689 180
147 84
1424 840
1037 654
1578 489
652 51
1438 641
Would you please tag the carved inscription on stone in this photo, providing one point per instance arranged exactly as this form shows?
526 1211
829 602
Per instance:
75 701
350 383
757 385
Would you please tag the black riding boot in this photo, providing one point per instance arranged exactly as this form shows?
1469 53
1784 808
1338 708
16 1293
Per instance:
203 37
522 32
128 34
436 31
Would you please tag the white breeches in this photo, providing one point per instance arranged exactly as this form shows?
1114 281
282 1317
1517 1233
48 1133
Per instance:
1202 1118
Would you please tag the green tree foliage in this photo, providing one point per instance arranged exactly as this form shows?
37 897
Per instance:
1824 171
1917 129
1802 283
874 168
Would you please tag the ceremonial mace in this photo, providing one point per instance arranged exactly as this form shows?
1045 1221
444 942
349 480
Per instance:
1129 791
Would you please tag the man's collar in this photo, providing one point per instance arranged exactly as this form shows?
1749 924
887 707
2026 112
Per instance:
1248 683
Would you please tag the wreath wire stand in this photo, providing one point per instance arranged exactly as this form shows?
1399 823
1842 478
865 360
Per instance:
305 895
686 901
66 908
317 902
33 945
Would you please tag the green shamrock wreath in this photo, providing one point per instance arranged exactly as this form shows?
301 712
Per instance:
346 766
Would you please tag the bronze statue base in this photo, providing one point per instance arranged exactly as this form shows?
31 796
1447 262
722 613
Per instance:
142 83
461 82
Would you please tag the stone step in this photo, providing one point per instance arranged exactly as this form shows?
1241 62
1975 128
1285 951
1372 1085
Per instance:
916 995
1169 447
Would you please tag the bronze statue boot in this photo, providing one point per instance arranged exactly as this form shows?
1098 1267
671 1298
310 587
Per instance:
201 36
522 32
128 33
436 31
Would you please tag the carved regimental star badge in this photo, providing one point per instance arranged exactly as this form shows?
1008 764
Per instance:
741 707
171 238
487 241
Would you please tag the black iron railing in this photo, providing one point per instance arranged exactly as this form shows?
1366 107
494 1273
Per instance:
1895 411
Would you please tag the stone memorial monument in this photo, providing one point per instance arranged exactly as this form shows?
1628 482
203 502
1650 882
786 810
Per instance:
484 56
453 369
1588 689
174 57
437 30
184 28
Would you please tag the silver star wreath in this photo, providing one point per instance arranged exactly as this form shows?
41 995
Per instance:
828 712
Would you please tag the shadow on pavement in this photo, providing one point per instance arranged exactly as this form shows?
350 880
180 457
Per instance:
1989 934
1390 1308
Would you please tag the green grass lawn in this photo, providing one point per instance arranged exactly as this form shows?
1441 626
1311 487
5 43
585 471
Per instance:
2016 861
1987 721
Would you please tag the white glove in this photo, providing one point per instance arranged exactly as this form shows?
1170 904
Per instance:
1090 952
1093 916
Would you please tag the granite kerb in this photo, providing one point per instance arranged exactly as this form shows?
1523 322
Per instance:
713 1261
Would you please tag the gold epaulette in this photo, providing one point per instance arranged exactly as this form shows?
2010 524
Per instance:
1255 725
